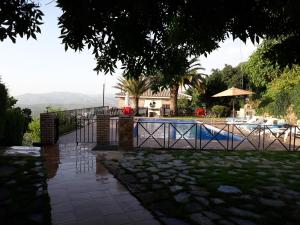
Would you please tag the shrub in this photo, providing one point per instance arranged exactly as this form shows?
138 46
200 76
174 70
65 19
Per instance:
3 106
183 103
220 111
295 99
33 134
14 127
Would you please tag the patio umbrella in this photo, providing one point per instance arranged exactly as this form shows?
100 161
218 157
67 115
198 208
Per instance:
233 91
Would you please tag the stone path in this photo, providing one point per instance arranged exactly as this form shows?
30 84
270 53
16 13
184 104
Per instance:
216 187
83 192
23 188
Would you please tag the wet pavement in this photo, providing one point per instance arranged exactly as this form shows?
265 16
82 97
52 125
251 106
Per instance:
83 192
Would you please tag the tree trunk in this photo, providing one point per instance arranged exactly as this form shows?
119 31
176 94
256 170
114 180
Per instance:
174 96
136 105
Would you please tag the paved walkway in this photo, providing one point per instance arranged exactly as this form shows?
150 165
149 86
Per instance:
83 192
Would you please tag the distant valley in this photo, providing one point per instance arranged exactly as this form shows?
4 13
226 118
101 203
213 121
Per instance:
63 100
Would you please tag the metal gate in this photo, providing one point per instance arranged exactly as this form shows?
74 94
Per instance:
85 130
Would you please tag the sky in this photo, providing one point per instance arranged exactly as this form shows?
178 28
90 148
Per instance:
42 65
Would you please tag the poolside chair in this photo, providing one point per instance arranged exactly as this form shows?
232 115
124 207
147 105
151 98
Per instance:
246 120
275 127
295 131
251 124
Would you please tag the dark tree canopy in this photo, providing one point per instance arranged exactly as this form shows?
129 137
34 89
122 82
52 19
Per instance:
19 17
140 33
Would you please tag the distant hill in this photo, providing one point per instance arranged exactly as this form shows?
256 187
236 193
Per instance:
63 100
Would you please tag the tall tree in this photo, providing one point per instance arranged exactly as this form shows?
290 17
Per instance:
135 87
184 73
138 33
260 69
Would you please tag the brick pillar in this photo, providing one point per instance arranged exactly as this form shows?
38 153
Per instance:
48 127
125 133
103 126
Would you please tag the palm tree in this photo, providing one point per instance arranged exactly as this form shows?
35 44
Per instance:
135 87
191 77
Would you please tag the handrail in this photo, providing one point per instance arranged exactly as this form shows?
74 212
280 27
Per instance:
200 136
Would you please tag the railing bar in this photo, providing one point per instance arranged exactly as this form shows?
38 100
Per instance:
295 136
232 136
137 134
76 130
291 138
196 135
84 121
200 136
228 137
164 135
168 135
88 130
80 129
92 130
264 137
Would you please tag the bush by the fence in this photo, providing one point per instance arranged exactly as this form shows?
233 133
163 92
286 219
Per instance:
33 134
66 124
220 111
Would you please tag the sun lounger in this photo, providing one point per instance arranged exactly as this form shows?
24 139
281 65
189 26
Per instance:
294 131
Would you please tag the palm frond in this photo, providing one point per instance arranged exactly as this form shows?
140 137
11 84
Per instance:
134 86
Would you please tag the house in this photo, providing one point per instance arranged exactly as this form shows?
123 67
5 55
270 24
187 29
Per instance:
154 102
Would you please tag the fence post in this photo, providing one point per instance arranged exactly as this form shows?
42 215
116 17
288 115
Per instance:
125 133
103 125
49 128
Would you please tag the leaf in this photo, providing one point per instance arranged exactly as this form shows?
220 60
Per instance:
33 35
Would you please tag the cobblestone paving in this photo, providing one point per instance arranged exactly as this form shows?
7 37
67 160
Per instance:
23 189
217 187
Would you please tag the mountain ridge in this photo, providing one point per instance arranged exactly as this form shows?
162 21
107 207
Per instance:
38 102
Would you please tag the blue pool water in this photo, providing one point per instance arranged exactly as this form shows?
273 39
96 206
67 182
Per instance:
174 128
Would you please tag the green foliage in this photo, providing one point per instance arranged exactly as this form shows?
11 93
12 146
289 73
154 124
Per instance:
3 107
14 127
183 103
28 118
295 99
66 123
13 121
285 82
19 17
220 111
139 34
135 87
261 70
280 105
282 93
178 71
33 134
197 100
285 52
220 80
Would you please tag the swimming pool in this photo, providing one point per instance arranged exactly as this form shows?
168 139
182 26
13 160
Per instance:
175 129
